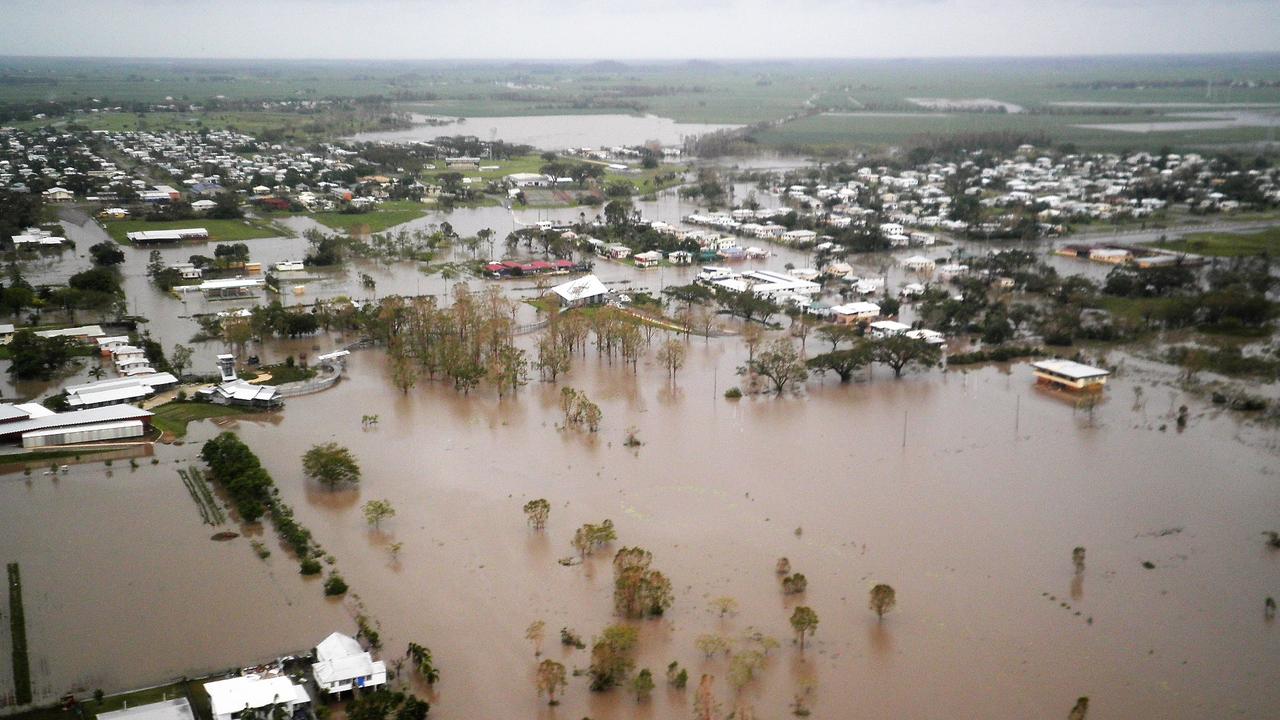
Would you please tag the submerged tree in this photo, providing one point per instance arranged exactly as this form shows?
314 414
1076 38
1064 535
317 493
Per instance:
422 661
589 537
537 511
1077 559
639 590
551 680
883 598
534 634
331 464
899 351
842 362
804 621
780 364
642 684
375 511
611 657
1081 709
671 355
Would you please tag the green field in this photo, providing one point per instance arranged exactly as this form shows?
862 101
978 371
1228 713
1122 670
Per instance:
387 215
1226 244
219 230
175 416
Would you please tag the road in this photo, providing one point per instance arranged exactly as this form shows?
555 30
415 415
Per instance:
1137 236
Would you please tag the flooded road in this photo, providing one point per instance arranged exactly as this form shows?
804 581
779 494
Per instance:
966 491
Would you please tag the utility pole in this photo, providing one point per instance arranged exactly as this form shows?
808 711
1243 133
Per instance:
904 429
1017 416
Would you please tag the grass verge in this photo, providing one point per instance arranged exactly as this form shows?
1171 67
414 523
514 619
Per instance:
173 417
18 634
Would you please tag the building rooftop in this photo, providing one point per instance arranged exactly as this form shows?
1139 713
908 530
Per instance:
1070 369
176 709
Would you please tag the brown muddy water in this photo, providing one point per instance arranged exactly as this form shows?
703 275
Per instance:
973 522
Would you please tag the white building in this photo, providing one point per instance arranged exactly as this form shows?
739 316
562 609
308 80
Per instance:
229 698
341 664
586 290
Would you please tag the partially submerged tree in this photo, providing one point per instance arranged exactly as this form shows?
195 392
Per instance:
671 355
422 661
375 511
780 364
638 590
841 362
551 680
804 621
642 684
611 657
705 706
900 351
712 644
589 537
331 464
1077 559
795 584
1081 709
883 598
534 634
724 606
536 512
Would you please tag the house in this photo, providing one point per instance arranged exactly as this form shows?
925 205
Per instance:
1070 374
851 313
58 195
680 257
615 251
228 699
917 263
241 393
648 259
83 333
587 290
175 709
341 664
203 205
932 337
887 328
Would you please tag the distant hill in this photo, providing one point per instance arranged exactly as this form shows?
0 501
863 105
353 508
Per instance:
605 66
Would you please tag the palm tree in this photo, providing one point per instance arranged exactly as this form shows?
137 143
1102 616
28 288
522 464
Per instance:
96 372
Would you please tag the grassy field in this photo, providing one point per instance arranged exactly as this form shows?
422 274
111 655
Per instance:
92 708
219 230
173 417
387 215
1225 244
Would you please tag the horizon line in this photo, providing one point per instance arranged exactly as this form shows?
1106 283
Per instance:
660 60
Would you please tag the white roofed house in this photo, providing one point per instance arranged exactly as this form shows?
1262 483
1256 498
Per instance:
587 290
228 699
851 313
1070 374
341 664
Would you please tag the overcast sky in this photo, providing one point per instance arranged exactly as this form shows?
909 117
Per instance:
628 29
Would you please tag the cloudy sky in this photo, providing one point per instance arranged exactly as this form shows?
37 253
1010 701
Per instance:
628 29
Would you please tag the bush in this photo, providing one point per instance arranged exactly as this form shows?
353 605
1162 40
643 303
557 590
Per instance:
309 566
334 585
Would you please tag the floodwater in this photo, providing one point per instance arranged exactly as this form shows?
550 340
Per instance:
1195 121
966 491
555 132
